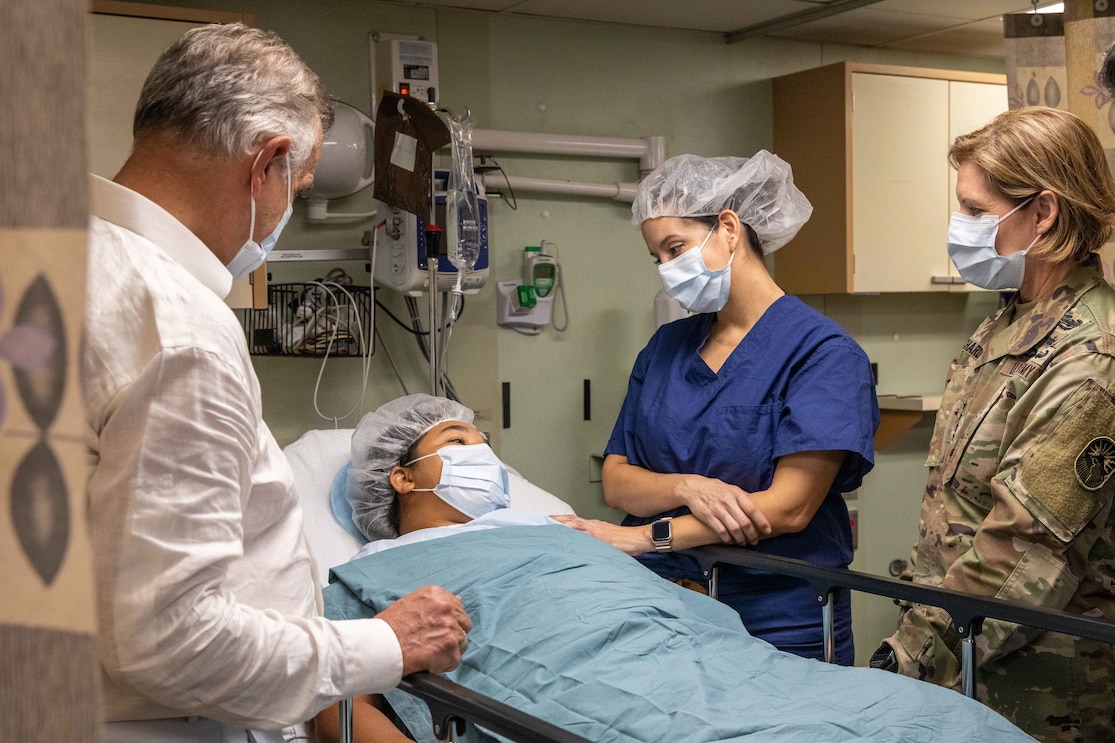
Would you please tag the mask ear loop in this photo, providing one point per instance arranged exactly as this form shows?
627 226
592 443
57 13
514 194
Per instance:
1020 206
289 183
252 201
419 459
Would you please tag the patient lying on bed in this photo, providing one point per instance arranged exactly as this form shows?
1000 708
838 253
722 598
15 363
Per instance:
573 631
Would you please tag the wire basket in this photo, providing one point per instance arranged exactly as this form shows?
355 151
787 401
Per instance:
304 319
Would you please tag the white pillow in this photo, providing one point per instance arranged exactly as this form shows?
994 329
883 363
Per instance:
316 458
527 495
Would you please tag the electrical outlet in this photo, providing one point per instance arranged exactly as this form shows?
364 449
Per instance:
853 518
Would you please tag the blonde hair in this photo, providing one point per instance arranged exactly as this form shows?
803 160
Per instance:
1029 150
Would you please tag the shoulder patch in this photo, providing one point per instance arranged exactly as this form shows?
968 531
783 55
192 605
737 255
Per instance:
1064 478
1096 463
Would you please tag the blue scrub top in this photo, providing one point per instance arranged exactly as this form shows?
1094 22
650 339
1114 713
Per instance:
796 382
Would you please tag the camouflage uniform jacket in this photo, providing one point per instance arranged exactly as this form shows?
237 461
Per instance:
1019 506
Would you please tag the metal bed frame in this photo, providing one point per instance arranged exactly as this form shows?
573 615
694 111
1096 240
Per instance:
453 706
968 611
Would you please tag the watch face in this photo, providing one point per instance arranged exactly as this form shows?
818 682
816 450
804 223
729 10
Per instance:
660 530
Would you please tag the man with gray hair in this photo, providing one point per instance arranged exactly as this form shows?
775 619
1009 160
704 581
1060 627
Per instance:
210 626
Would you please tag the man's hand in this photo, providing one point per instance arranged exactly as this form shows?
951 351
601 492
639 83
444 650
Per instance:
431 625
726 509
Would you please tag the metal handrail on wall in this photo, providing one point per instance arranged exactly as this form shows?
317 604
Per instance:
968 611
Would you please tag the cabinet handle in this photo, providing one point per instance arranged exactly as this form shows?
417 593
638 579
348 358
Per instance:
945 280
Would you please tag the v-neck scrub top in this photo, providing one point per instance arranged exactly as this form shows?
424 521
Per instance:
796 382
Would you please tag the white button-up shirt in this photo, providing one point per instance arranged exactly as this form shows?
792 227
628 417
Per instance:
207 602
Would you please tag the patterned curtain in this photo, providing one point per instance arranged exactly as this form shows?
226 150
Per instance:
1035 55
48 657
1053 59
1089 30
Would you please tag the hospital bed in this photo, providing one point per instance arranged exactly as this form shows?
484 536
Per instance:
316 459
968 612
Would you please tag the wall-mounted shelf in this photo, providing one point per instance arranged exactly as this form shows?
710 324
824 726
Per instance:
900 413
303 319
344 254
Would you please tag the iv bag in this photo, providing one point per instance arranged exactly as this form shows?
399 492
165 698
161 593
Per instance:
462 212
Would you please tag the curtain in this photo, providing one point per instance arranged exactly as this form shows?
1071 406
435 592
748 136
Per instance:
1053 60
49 674
1089 30
1035 57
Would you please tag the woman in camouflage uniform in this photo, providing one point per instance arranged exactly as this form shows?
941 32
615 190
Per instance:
1019 500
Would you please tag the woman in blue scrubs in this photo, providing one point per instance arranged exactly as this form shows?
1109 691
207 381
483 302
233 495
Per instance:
745 422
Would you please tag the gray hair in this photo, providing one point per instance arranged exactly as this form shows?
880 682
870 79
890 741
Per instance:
226 88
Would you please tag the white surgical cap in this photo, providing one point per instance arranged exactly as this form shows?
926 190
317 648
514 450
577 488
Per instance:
380 441
759 189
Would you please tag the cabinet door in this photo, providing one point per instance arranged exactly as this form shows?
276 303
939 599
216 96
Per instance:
971 106
900 172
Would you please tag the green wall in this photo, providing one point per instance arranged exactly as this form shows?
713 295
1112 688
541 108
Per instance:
534 74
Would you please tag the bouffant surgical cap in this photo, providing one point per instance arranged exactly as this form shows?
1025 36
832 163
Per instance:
380 442
759 189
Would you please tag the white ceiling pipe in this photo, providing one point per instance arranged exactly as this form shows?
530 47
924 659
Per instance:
618 191
649 151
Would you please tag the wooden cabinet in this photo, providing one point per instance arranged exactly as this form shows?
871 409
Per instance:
869 147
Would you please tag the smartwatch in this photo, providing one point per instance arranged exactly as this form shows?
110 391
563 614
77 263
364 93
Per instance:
662 535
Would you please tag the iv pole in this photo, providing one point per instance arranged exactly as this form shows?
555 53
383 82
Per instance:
433 257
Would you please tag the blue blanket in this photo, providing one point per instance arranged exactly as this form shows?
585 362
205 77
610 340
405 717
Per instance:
569 629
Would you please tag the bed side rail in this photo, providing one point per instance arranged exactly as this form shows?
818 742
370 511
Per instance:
452 706
968 611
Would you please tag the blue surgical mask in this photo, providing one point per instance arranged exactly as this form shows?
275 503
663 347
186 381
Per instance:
252 254
688 280
971 245
473 479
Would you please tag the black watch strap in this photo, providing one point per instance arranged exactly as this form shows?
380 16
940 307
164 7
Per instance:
884 659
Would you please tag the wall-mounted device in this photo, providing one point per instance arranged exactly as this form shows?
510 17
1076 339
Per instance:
402 262
540 270
405 65
345 165
527 305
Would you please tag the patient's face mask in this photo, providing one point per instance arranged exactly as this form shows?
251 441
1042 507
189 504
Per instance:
473 479
688 280
971 245
252 254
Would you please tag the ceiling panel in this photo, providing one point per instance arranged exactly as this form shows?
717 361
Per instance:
969 10
870 27
981 39
963 27
699 15
493 6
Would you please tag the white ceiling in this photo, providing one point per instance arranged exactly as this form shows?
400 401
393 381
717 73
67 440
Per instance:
967 27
